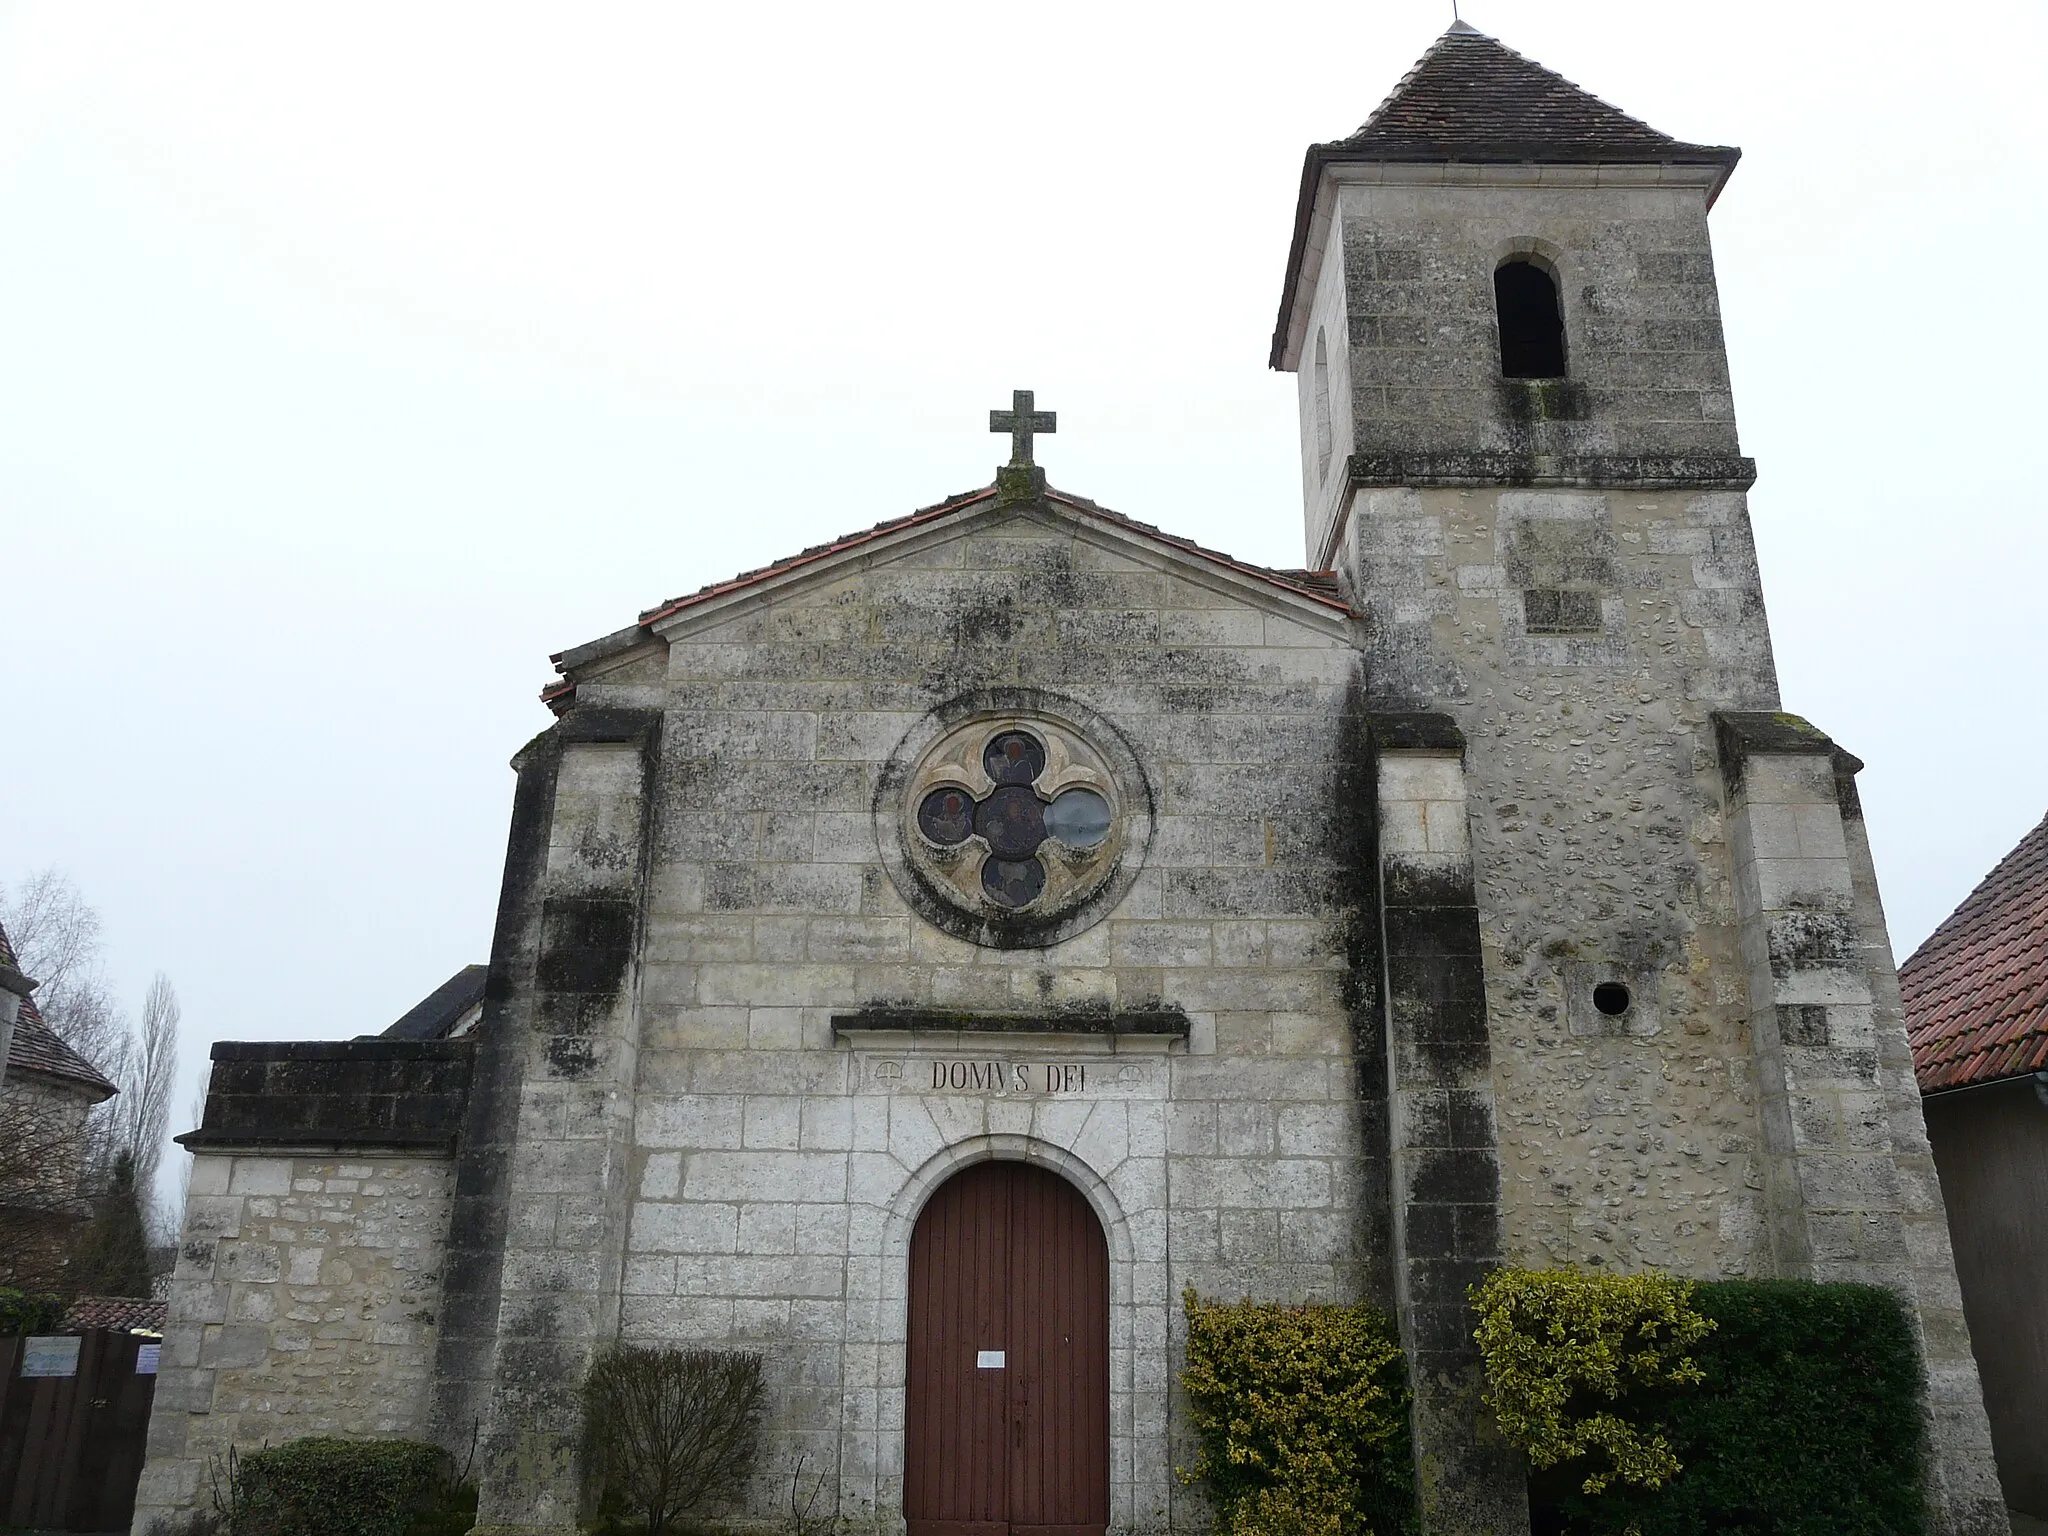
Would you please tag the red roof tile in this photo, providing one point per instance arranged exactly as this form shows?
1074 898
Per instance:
121 1312
1977 991
38 1048
1318 586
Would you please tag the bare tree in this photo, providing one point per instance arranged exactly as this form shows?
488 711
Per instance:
56 936
149 1072
666 1429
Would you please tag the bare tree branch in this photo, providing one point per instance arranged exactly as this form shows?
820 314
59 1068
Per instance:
56 936
150 1072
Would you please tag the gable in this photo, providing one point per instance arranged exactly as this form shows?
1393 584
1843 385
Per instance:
977 556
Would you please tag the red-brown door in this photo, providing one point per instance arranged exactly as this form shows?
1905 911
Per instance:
1006 1420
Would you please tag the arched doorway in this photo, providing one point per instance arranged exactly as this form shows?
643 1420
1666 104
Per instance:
1006 1416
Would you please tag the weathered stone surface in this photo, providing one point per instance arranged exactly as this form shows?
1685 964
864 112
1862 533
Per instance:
310 1309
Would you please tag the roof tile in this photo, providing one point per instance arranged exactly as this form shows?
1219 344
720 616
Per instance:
38 1048
1976 992
1473 97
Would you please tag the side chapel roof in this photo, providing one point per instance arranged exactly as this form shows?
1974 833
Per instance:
38 1048
436 1015
1318 586
1977 991
1471 98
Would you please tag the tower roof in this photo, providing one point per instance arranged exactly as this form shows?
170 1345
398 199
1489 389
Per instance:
1472 99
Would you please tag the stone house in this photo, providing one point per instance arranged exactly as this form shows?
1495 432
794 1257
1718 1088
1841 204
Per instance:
1976 996
47 1091
923 957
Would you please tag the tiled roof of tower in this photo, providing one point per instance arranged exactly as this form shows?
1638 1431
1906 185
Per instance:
1317 586
1470 97
1977 991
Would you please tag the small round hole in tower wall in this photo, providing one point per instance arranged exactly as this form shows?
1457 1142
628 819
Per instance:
1611 998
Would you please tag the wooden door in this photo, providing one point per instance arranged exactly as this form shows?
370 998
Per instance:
71 1447
1006 1420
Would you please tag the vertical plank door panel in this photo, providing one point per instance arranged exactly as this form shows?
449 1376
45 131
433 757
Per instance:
1059 1360
954 1412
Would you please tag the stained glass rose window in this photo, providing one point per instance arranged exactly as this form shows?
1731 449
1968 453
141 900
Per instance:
1035 823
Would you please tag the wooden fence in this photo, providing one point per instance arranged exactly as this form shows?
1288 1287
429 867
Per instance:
71 1446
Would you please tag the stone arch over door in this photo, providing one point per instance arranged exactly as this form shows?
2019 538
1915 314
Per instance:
1127 1198
1006 1413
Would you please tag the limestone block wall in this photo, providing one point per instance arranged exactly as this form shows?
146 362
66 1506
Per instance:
304 1302
779 1163
1849 1173
1635 275
1599 844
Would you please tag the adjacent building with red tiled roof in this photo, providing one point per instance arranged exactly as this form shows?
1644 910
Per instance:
1977 991
1976 996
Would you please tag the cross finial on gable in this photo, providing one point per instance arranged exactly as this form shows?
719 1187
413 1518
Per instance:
1021 479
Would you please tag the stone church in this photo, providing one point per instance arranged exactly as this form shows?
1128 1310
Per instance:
923 957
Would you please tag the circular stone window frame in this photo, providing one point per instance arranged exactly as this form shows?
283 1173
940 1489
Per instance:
1083 749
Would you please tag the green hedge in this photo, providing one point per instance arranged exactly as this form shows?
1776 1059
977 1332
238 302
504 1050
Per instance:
326 1487
1302 1414
1805 1422
24 1312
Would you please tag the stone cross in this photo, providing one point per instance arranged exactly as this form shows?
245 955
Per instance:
1021 421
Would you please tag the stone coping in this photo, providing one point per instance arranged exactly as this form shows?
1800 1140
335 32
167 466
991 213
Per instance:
1170 1022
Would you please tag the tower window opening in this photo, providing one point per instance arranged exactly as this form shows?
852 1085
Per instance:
1531 322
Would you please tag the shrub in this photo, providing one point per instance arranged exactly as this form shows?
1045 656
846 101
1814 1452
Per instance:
1807 1421
326 1487
24 1312
1804 1421
666 1429
1302 1413
1561 1350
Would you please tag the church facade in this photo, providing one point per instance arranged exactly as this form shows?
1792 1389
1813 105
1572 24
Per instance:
924 958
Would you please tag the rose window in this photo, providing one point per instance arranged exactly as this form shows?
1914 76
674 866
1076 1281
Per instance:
1013 815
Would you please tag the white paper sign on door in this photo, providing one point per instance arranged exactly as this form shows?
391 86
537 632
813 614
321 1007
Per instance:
50 1355
988 1360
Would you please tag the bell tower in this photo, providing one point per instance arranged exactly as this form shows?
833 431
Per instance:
1628 993
1502 280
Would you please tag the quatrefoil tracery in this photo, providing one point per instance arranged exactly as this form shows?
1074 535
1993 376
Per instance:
1042 815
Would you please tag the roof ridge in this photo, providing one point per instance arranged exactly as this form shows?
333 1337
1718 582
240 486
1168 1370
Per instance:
1400 86
1317 587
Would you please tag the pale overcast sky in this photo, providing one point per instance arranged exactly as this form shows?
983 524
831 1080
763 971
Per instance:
353 358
